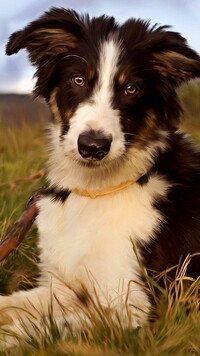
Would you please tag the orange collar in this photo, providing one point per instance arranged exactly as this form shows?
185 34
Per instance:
102 192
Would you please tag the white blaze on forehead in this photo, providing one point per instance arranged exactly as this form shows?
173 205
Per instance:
98 113
108 65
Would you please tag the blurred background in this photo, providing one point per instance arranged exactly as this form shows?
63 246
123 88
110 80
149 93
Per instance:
22 149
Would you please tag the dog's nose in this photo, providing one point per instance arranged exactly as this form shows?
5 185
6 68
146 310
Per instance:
94 144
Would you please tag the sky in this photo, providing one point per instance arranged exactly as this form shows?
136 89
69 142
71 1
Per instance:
16 73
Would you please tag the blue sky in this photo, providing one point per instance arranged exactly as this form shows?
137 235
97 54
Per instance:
16 73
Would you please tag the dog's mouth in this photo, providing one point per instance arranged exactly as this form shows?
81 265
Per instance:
90 164
93 162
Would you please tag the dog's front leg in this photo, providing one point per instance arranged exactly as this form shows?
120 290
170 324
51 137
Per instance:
22 304
128 306
19 311
54 297
26 313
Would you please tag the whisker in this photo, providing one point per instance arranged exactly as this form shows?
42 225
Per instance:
129 134
74 55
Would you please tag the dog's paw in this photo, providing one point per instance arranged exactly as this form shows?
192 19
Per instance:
5 318
8 337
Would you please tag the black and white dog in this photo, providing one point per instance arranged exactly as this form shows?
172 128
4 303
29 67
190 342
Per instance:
120 171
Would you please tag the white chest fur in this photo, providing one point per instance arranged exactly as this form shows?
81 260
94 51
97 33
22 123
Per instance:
85 239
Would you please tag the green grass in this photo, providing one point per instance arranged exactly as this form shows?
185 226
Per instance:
22 159
175 326
190 97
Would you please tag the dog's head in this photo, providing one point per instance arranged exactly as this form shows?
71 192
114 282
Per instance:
111 88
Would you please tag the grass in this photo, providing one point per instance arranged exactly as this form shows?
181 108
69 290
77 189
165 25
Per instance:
22 160
175 324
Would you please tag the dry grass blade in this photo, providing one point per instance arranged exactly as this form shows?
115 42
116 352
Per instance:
33 177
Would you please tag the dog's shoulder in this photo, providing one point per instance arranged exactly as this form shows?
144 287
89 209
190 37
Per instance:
179 232
181 160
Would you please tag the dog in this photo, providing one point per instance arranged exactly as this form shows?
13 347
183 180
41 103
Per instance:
121 175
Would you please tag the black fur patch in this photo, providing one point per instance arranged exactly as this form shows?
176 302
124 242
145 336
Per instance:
179 234
56 194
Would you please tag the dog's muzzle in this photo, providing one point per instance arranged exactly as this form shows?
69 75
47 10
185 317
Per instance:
94 145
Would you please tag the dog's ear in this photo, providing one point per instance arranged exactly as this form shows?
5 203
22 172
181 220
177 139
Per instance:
54 33
173 59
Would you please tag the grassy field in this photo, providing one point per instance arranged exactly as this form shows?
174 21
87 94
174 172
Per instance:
175 326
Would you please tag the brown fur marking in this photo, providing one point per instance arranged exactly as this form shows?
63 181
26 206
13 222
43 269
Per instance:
54 107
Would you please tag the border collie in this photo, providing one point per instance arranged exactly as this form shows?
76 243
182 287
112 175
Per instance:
120 172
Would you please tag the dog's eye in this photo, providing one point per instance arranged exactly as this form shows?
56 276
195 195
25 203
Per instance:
78 81
130 89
